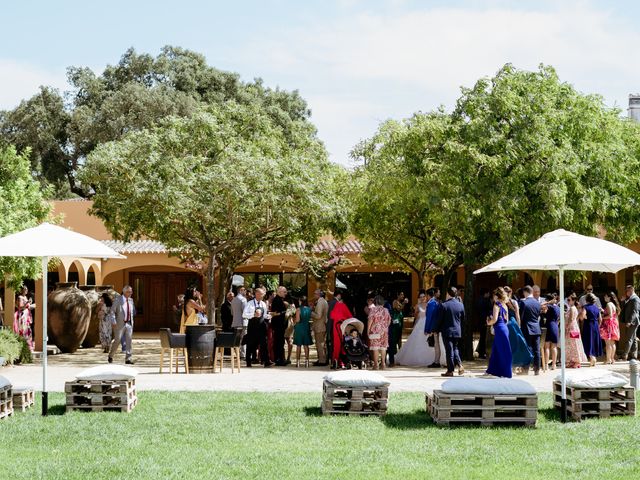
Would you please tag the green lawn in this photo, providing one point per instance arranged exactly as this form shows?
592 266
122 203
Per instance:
281 436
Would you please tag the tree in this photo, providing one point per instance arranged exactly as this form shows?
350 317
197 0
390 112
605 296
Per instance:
137 93
217 187
38 129
532 155
394 211
522 154
22 206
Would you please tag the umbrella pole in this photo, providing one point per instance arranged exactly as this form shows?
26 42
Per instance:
45 394
563 351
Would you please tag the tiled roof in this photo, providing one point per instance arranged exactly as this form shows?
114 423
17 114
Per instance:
152 246
136 246
350 246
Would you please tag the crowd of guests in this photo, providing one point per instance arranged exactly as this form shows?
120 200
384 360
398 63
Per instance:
592 329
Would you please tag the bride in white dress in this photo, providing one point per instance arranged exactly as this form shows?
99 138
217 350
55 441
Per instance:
415 352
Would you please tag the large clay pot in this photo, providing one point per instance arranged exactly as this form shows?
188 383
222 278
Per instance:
68 314
93 293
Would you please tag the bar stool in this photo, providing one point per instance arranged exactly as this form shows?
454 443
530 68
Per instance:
230 340
173 341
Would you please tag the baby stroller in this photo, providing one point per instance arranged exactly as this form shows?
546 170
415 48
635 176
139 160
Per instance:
355 351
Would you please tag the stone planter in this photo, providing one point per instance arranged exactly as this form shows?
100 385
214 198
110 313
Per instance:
68 312
93 293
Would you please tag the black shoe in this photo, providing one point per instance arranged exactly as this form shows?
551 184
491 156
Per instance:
280 363
320 364
129 362
288 362
110 360
434 365
269 364
248 364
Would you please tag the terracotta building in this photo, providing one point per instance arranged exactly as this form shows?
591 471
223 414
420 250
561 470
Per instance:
157 278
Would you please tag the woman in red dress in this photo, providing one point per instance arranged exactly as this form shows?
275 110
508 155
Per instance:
339 314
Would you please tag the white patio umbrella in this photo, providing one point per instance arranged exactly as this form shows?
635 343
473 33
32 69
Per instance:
48 241
562 250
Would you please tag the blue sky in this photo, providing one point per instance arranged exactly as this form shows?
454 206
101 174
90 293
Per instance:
356 62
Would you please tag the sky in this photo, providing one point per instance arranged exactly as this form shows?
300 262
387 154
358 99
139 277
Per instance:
356 62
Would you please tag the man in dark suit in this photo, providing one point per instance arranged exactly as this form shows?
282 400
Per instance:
449 324
530 321
630 320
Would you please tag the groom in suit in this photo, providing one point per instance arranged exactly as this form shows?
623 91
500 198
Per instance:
449 324
530 320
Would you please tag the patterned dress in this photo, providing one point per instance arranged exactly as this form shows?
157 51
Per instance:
379 321
107 318
22 321
575 350
610 329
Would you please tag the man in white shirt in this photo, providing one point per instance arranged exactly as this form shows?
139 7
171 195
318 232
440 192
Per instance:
238 304
583 299
124 310
255 313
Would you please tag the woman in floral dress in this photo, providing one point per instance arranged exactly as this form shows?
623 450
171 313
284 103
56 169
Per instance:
575 349
378 332
22 319
106 318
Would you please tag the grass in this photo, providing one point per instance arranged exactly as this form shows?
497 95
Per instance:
212 435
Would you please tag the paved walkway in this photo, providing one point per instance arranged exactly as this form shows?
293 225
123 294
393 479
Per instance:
64 367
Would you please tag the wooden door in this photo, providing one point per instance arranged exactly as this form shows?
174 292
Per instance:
155 294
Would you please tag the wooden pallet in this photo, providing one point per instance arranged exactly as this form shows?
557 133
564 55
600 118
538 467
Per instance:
6 402
354 400
101 395
23 398
5 393
455 408
100 386
596 402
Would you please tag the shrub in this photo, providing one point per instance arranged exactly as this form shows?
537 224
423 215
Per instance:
10 346
25 351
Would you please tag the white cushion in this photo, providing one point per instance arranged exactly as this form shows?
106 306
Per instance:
488 386
593 378
107 372
356 378
4 382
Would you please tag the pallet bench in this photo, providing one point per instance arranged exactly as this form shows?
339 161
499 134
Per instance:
101 395
354 400
6 402
23 398
596 402
487 410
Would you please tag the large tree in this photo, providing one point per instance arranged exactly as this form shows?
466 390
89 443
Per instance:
137 93
524 153
218 186
394 212
22 206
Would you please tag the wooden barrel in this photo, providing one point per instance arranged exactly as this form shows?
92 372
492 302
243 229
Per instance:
200 341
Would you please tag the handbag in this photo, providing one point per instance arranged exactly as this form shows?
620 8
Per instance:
374 336
431 341
574 334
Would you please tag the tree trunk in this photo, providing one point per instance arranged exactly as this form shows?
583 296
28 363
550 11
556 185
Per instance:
467 328
421 280
211 299
446 279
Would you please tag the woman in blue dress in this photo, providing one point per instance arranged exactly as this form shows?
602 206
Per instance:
302 331
500 360
521 355
552 317
591 319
